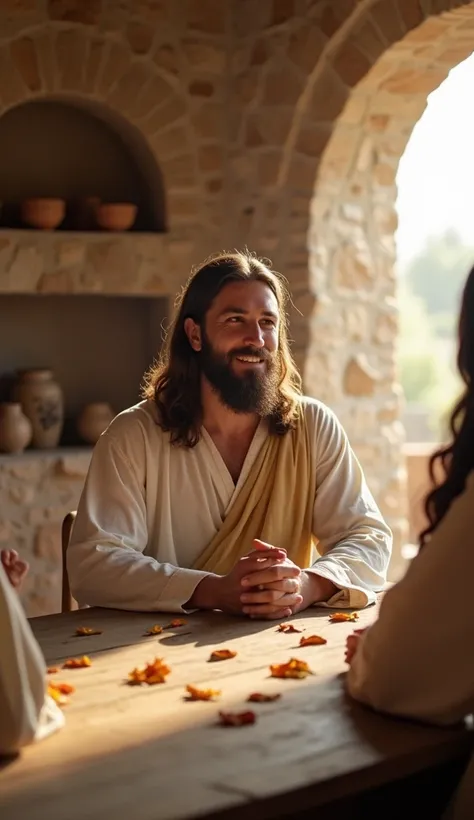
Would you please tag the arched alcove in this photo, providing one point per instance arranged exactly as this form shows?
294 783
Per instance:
76 149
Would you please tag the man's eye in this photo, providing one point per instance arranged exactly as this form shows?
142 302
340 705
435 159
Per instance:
270 322
234 319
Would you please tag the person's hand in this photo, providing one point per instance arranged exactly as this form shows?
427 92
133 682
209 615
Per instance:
271 591
352 643
224 592
14 567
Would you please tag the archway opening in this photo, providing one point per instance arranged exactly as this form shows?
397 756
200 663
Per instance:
351 354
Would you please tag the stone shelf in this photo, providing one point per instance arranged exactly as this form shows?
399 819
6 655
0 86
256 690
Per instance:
70 262
52 454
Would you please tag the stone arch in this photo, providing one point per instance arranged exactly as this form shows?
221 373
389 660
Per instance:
325 128
105 76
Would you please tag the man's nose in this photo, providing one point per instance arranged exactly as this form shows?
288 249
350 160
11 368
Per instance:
254 335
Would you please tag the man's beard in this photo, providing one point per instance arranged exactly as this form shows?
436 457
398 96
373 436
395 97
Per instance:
253 392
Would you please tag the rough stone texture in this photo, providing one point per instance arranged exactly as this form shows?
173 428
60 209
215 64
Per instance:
277 125
37 489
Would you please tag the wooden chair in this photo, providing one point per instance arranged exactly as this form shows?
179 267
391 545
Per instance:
67 601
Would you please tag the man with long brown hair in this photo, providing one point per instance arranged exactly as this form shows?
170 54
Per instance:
215 491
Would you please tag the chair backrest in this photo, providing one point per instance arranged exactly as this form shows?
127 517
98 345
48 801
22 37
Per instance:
67 601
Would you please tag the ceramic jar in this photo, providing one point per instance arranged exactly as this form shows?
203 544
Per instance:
15 429
93 420
42 401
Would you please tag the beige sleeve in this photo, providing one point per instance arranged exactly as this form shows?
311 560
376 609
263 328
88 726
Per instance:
355 542
417 659
26 714
106 561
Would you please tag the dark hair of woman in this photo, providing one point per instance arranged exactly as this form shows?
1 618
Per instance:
451 464
174 381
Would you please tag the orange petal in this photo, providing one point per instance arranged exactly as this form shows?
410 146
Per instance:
259 697
288 628
237 718
339 617
293 669
87 630
312 640
175 623
150 674
201 694
222 655
52 669
77 663
154 630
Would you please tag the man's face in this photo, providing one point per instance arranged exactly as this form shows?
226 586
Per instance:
239 347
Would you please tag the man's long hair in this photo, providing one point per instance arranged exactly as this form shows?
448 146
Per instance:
456 460
174 381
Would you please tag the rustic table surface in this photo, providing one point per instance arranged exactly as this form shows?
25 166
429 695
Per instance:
146 753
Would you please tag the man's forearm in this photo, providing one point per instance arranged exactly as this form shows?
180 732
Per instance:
315 588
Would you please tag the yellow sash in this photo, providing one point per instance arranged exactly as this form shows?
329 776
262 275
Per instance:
275 504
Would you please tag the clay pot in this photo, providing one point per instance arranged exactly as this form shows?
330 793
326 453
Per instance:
116 216
43 213
93 420
42 401
15 429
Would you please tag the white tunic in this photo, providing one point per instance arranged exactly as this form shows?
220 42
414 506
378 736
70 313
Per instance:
417 660
149 509
26 712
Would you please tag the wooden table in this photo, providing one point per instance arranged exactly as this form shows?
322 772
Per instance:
146 754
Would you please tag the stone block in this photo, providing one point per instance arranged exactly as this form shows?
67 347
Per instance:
360 378
25 269
61 281
93 63
158 94
86 12
350 63
140 37
23 54
208 16
47 543
115 65
168 58
282 86
12 89
305 46
71 58
205 57
73 466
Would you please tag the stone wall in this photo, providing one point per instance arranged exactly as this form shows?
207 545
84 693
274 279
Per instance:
276 124
36 491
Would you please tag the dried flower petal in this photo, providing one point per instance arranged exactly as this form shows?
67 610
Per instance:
259 697
77 663
51 670
201 694
222 655
312 640
154 672
237 718
339 617
293 669
175 624
288 628
87 630
154 630
59 692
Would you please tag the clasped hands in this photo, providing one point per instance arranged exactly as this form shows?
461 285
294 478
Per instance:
263 584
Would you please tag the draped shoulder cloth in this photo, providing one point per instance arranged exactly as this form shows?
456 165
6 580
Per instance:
275 504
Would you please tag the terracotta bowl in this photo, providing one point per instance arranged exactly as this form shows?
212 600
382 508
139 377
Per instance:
116 216
43 213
